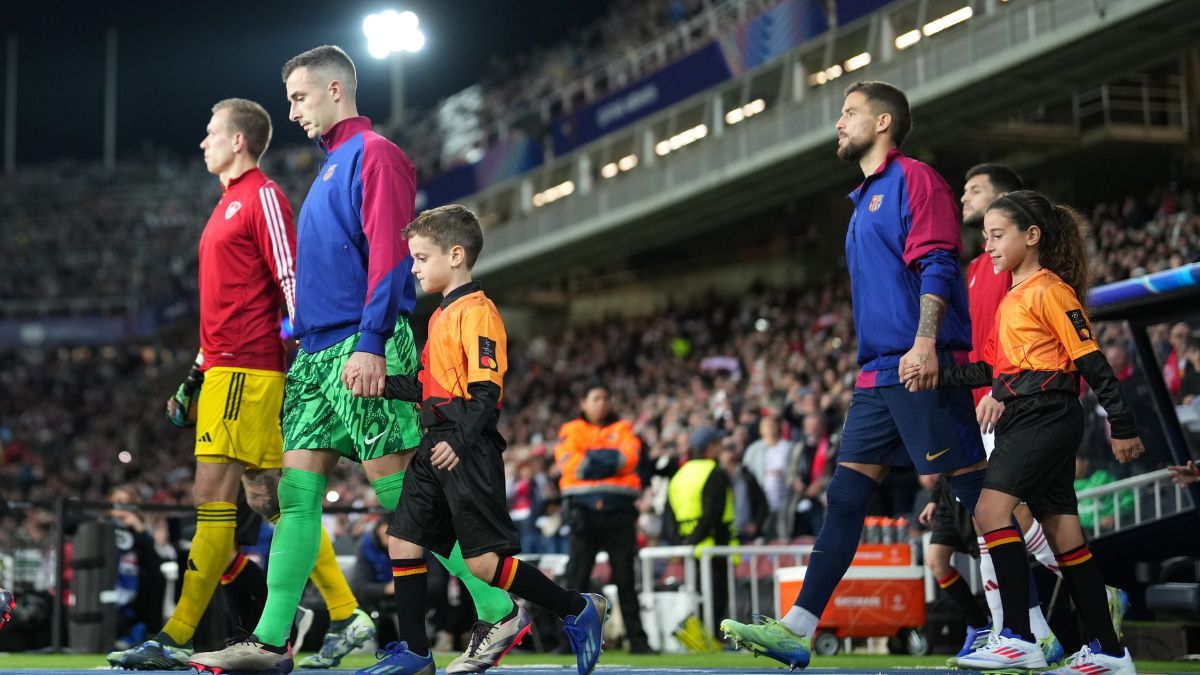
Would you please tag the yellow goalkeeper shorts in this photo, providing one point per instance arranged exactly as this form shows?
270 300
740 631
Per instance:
237 417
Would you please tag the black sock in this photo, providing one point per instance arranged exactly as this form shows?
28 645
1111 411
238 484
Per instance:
244 586
1007 549
526 581
1086 585
956 587
411 581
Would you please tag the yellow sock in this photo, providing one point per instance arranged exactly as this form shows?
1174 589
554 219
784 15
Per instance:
329 580
328 577
215 523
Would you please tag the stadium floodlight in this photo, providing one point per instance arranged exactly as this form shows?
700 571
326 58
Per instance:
952 19
855 62
391 32
906 40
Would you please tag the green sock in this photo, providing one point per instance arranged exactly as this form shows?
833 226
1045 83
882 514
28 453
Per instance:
387 490
491 603
293 552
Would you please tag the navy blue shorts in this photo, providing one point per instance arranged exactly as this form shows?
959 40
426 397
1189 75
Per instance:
932 431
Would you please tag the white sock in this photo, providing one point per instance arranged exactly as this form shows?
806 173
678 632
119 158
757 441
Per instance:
800 621
1035 543
1037 623
991 589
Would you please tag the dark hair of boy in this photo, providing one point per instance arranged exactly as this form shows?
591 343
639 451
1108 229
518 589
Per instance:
449 226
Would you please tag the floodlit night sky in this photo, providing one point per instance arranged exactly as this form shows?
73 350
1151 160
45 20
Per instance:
178 58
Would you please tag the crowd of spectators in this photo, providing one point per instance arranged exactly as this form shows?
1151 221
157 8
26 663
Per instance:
94 242
774 367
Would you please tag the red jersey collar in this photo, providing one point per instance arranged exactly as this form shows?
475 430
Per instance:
343 131
252 172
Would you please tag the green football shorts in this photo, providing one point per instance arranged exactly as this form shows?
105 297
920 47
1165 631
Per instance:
319 413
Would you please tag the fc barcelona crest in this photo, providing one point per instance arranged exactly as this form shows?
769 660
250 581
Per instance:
876 202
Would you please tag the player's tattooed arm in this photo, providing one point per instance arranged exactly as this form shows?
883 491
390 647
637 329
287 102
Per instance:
933 310
919 367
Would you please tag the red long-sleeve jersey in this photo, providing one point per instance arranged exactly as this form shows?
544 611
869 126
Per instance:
247 275
986 288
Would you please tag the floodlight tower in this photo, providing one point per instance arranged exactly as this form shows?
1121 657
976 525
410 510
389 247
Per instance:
390 34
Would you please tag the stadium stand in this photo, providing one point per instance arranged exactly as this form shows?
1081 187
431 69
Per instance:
65 413
82 420
517 96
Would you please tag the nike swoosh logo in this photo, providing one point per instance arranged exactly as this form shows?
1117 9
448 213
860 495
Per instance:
930 456
374 438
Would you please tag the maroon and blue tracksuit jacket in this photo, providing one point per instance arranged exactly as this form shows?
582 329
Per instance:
353 268
903 242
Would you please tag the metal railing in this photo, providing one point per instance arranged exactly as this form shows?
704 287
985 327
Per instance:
698 576
799 553
43 566
1156 497
1154 494
1136 102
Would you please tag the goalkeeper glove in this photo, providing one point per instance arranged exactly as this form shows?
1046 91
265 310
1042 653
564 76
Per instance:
184 412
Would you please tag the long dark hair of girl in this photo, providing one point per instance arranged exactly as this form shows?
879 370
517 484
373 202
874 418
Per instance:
1062 249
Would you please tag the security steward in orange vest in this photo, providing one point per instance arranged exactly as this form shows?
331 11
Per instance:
701 498
597 458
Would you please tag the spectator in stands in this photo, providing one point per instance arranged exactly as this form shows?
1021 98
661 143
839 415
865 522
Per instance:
808 474
1173 368
8 603
768 459
524 506
751 512
1136 391
550 521
140 581
597 456
701 499
1104 508
371 579
1189 381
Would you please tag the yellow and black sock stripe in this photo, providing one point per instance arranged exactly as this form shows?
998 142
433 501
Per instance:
233 400
216 512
